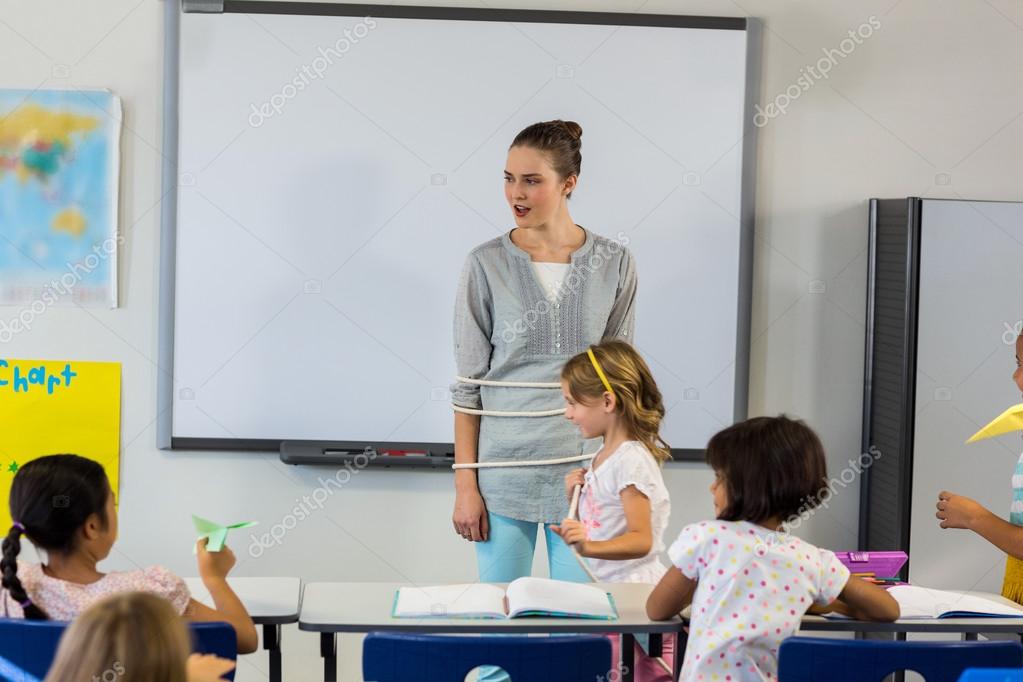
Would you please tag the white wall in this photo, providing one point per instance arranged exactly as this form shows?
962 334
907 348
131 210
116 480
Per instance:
928 105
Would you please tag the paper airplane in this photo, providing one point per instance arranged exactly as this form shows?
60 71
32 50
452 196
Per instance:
1010 420
215 532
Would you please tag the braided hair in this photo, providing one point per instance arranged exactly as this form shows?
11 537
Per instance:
51 499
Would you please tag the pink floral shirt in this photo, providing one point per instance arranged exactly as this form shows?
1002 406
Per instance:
602 513
753 587
63 600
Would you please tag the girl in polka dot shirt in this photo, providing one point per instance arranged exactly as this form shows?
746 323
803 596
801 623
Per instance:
748 581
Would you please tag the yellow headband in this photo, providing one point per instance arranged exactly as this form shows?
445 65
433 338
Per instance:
600 372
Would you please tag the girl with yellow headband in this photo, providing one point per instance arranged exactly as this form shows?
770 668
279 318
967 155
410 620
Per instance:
624 506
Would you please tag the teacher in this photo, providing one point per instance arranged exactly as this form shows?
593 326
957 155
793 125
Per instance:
527 302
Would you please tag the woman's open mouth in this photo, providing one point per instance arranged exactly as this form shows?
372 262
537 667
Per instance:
520 210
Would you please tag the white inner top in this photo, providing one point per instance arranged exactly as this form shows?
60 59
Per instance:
551 276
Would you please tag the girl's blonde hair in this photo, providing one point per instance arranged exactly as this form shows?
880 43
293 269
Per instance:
638 400
129 637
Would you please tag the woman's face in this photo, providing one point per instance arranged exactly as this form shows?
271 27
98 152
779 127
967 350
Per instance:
532 188
1017 376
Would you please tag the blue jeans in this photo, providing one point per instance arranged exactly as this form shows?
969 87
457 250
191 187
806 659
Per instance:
508 554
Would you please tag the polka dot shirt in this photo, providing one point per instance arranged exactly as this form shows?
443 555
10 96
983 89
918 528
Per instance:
753 586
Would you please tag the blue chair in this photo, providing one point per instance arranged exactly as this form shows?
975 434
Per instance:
219 639
808 659
28 647
390 657
992 675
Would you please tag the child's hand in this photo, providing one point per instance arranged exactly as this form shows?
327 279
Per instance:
207 667
214 565
573 533
956 511
572 479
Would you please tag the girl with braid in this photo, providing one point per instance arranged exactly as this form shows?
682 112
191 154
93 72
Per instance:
64 505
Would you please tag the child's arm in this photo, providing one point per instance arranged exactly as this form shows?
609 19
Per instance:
863 601
207 667
956 511
670 596
213 569
635 543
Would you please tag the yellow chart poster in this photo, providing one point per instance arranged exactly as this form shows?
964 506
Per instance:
49 407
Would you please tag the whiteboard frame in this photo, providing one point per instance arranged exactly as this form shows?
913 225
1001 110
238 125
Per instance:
168 229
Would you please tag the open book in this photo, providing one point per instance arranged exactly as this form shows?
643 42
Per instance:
523 597
921 602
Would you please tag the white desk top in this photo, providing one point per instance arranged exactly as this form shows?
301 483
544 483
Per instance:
268 600
971 625
366 607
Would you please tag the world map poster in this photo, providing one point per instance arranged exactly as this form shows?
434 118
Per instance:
59 178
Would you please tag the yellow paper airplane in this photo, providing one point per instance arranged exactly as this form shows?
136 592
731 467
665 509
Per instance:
1010 420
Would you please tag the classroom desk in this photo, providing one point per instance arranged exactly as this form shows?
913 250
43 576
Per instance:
271 602
334 608
969 628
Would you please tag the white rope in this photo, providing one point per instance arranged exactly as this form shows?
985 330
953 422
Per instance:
572 509
509 384
500 413
523 462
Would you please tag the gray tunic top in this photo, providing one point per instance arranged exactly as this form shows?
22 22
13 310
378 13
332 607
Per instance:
507 330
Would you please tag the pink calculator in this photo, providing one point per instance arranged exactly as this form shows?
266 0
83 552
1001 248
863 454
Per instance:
881 564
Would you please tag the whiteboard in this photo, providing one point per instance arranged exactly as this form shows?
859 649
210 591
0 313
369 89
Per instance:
333 172
969 316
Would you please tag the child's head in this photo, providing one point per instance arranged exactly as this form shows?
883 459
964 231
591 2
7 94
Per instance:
1017 376
766 468
63 504
130 637
633 397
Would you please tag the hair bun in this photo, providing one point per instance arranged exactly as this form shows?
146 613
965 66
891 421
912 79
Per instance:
574 130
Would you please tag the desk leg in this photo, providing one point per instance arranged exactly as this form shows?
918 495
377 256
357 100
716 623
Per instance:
628 662
681 640
328 649
901 675
272 643
656 645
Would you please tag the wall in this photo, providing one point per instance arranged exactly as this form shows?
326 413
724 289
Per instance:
928 105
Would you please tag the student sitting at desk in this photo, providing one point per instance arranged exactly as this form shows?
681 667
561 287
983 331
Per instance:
64 505
132 637
956 511
748 581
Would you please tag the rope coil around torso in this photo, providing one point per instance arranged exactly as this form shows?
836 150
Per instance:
502 413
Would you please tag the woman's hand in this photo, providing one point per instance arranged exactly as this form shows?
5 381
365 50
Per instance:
572 479
573 533
207 668
213 565
470 516
956 511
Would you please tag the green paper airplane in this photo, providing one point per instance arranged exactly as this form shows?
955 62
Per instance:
216 533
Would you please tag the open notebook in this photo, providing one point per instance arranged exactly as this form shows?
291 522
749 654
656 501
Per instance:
522 597
921 602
